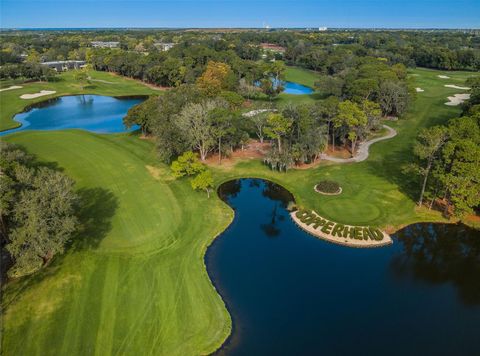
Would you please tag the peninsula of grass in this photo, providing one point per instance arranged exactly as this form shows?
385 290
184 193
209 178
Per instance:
301 76
102 84
134 280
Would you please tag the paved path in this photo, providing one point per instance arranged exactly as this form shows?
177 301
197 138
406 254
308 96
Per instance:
362 152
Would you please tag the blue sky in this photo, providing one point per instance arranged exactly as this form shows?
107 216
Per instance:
230 13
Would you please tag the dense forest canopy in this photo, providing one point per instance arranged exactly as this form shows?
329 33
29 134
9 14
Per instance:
327 52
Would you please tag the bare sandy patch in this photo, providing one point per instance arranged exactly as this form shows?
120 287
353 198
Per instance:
253 150
457 99
37 95
419 90
12 87
456 87
443 76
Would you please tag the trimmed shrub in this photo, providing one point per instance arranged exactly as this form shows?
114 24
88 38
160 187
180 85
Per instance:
327 186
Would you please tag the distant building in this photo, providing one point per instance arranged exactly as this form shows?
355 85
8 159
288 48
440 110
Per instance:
61 66
103 44
322 29
272 47
164 46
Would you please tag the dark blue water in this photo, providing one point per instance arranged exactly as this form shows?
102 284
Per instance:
292 294
95 113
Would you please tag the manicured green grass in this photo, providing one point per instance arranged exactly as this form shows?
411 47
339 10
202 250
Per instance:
301 76
134 281
11 103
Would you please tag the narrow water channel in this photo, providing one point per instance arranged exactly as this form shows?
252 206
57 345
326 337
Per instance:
292 294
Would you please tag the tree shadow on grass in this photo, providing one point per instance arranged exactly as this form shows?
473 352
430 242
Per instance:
398 152
391 168
96 208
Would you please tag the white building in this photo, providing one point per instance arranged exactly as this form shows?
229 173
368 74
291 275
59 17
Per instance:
322 29
103 44
164 46
61 66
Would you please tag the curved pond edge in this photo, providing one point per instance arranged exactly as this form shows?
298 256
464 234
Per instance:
229 329
54 97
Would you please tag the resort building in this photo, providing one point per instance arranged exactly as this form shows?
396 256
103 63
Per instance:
61 66
164 46
103 44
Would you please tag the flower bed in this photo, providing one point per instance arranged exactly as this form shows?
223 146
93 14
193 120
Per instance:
348 235
328 187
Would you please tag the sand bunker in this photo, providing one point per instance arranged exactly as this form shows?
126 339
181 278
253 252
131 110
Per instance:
444 76
456 87
419 90
457 99
11 88
36 95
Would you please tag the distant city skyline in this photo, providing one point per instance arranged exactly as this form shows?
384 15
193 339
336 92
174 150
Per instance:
275 14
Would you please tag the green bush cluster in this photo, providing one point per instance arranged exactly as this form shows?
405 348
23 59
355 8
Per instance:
330 227
328 186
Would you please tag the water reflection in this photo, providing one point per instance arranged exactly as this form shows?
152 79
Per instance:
292 294
440 253
95 113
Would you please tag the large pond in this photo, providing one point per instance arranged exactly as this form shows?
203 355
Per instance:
292 294
95 113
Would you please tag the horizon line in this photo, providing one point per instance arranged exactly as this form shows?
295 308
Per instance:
238 27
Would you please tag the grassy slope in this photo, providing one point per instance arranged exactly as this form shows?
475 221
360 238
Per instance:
135 283
11 103
300 76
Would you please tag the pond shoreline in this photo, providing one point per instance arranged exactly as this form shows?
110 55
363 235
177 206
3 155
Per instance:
54 97
240 333
23 123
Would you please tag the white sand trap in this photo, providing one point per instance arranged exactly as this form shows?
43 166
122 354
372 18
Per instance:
444 76
11 88
36 95
457 99
419 90
456 87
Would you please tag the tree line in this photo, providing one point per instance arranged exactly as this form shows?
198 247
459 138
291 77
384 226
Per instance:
206 117
329 52
448 161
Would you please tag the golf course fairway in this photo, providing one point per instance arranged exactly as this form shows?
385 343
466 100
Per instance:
134 280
